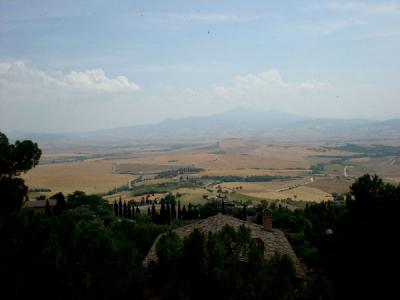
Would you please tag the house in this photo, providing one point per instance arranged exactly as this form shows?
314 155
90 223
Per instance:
270 239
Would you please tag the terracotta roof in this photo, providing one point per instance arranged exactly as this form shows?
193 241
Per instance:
274 241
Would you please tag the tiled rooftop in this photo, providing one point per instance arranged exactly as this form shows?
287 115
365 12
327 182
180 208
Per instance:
274 241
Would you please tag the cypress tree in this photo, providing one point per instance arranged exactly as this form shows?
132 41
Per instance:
129 212
168 213
125 210
148 211
133 212
222 207
179 210
115 208
163 213
47 209
153 212
190 212
120 207
244 214
173 211
137 210
184 213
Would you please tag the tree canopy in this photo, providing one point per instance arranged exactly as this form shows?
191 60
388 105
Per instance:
19 157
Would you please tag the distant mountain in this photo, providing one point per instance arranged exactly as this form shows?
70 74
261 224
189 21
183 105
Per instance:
240 122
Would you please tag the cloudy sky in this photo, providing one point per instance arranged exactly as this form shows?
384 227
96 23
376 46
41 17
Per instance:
87 65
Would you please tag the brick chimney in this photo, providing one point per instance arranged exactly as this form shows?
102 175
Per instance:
267 219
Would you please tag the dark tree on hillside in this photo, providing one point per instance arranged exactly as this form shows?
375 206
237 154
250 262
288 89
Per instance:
61 204
137 210
120 207
184 213
153 212
47 209
191 213
133 211
179 210
125 210
148 211
115 208
163 212
244 213
222 207
15 159
173 211
129 208
168 213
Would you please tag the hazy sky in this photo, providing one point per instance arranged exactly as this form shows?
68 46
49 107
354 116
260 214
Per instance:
85 65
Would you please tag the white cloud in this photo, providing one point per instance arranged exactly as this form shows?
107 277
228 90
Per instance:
202 17
269 91
329 27
365 7
269 86
18 81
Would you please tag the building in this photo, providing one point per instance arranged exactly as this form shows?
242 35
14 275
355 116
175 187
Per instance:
272 240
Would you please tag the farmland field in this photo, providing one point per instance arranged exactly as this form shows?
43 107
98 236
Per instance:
309 172
93 176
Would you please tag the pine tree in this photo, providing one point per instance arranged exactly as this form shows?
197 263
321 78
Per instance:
179 210
120 207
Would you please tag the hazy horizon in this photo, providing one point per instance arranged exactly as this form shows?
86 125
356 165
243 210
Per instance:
78 67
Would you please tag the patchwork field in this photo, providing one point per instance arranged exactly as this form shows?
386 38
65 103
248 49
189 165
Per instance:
92 176
312 171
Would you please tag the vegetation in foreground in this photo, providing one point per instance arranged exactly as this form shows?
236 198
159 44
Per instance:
80 250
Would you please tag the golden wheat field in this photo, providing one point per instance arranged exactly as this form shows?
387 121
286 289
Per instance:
92 176
230 157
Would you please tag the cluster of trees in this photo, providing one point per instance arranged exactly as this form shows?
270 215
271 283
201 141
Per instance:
258 178
125 210
170 210
176 172
349 244
222 265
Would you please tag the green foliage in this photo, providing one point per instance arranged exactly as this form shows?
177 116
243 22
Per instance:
176 172
317 169
18 157
261 178
228 264
14 159
371 150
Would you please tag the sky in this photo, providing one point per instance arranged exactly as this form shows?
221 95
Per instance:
74 66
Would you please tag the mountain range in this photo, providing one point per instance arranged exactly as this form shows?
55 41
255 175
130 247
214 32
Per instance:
239 122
